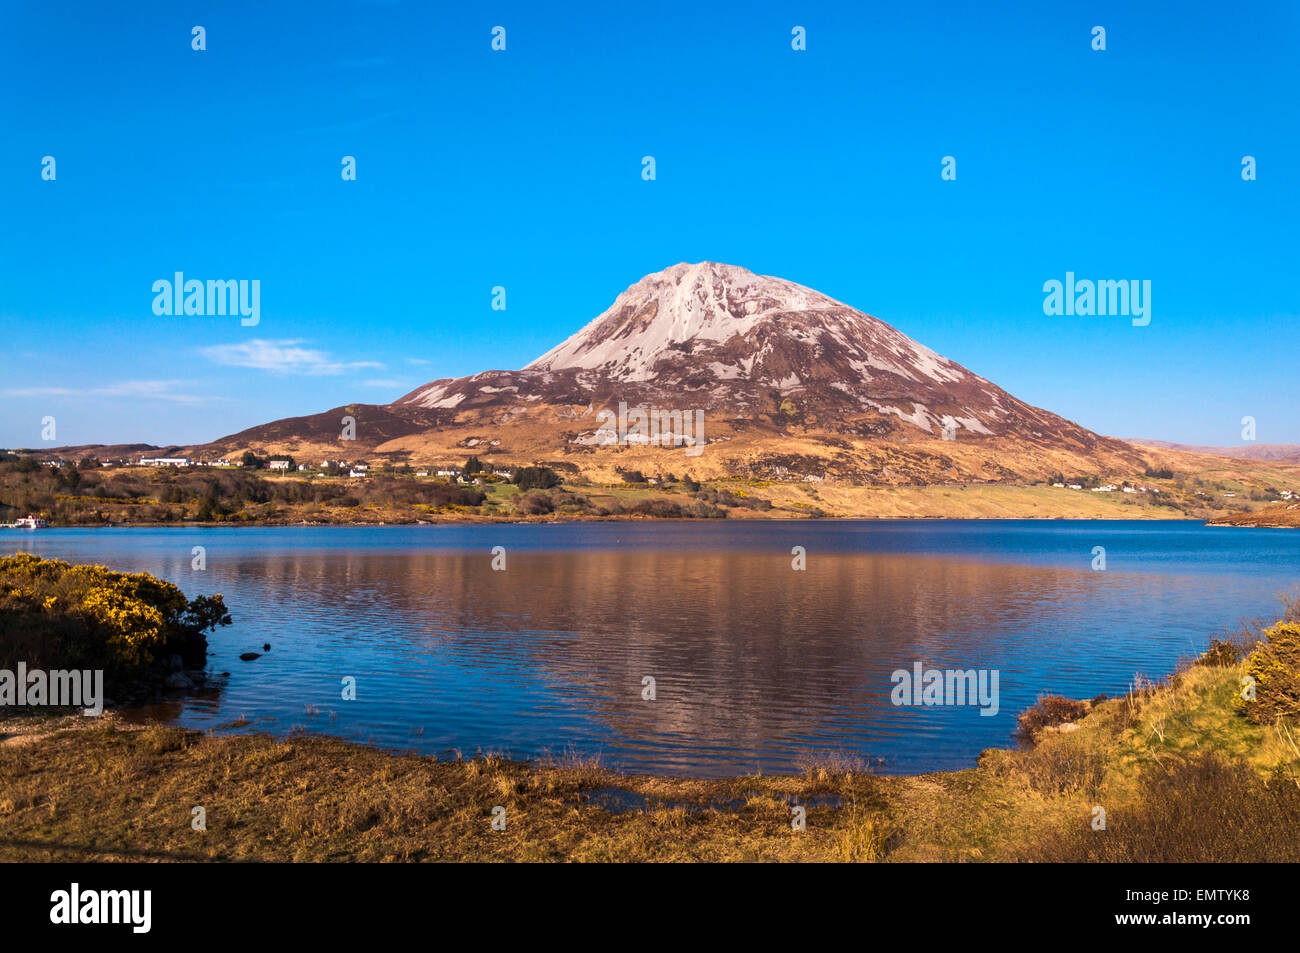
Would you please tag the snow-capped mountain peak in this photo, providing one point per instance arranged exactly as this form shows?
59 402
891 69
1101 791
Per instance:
709 310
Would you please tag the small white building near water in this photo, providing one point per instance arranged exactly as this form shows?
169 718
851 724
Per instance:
165 461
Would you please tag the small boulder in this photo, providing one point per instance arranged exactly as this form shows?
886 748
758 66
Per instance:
249 656
177 680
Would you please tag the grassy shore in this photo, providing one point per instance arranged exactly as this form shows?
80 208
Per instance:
1179 772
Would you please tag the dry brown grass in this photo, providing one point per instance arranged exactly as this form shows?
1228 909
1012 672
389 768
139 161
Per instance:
112 792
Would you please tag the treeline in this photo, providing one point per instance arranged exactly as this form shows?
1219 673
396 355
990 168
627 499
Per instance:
636 477
69 494
701 504
560 502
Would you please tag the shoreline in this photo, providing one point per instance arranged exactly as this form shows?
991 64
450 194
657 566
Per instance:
527 521
1191 769
136 497
1208 785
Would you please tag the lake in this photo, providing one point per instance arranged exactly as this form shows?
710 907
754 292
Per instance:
756 665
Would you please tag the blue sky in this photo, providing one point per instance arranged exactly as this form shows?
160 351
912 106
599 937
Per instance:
523 169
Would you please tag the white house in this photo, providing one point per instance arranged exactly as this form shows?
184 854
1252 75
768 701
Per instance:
278 465
357 472
164 461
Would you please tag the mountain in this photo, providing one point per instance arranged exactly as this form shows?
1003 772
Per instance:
1262 452
791 384
723 338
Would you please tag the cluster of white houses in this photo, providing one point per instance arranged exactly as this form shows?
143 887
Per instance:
351 469
1109 488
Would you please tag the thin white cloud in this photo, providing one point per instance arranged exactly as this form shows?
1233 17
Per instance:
40 392
281 357
386 384
139 390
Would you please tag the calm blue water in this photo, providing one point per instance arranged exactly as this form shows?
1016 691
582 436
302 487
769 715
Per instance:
755 665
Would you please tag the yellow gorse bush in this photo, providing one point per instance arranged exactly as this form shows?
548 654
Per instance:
1275 668
131 614
132 627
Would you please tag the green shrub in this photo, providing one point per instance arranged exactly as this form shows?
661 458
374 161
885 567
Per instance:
1220 654
1050 710
535 504
536 478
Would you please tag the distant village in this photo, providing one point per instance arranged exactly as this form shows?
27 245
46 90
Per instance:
285 464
